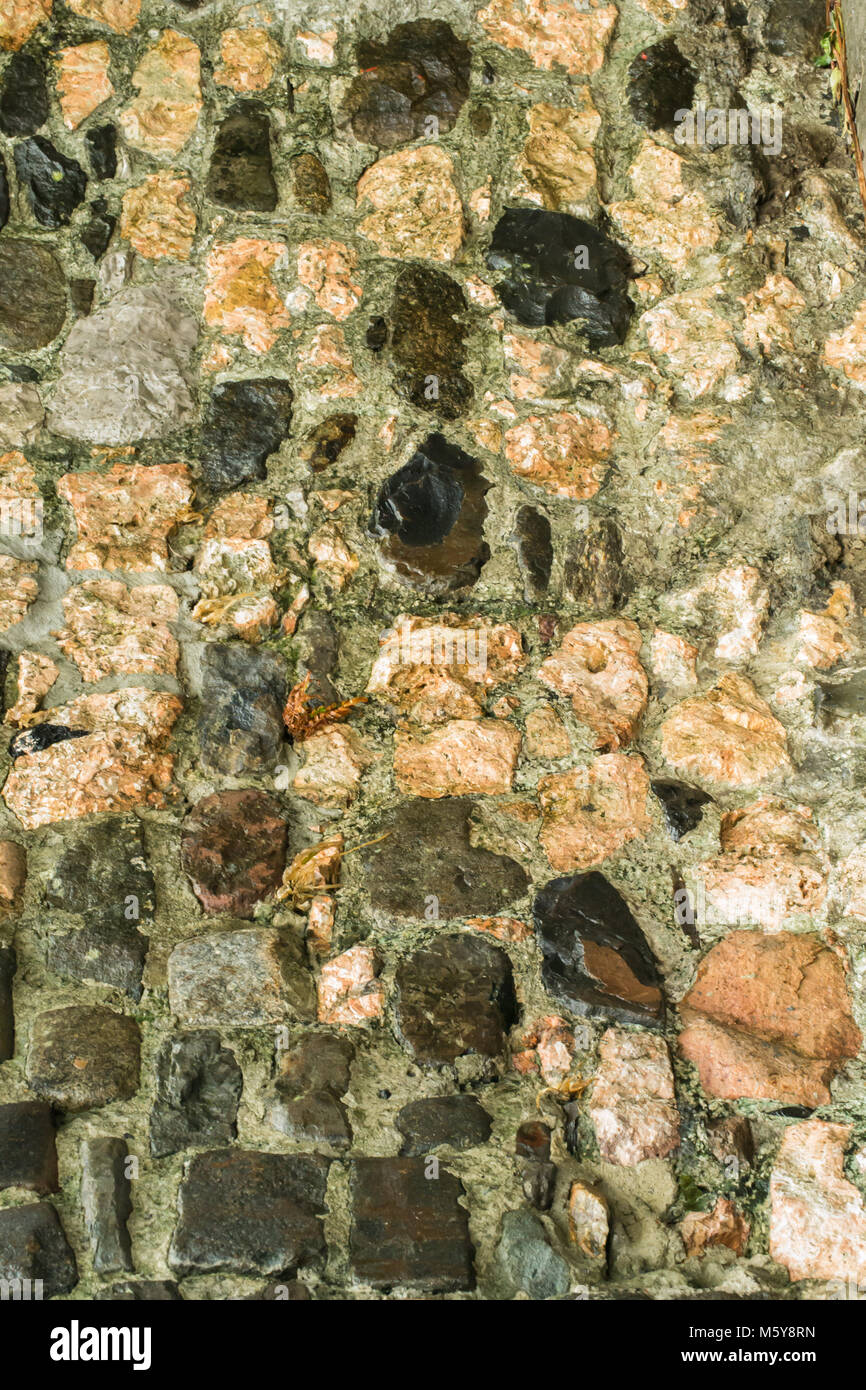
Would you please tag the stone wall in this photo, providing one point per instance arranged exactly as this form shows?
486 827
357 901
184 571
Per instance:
432 610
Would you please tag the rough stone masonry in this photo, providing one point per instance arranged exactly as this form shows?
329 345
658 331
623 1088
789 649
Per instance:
432 589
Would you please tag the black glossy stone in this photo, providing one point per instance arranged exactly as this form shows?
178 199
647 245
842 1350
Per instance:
241 172
465 880
245 422
55 184
35 1256
324 445
427 341
531 540
410 86
32 295
593 575
556 268
429 517
661 82
107 1203
682 806
377 334
96 235
101 144
596 959
28 1153
242 698
23 96
310 182
41 736
198 1090
453 997
460 1122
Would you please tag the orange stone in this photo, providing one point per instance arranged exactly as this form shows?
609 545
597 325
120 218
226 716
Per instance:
349 992
565 454
633 1104
557 165
18 589
773 865
817 1215
417 209
119 15
115 631
156 219
828 637
249 59
598 667
335 759
546 735
165 113
13 876
240 294
724 1225
553 31
36 675
728 736
464 757
124 516
327 358
19 19
326 268
83 83
846 350
664 217
434 670
591 812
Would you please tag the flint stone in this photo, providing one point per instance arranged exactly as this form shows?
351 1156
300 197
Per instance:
454 997
32 295
33 1246
461 1122
240 979
198 1090
428 341
242 698
28 1153
123 370
107 1204
55 185
7 1013
244 423
241 172
24 98
83 1056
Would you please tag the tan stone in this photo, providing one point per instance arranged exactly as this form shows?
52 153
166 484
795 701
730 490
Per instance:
588 1221
697 342
124 516
633 1104
665 219
417 206
83 83
733 605
326 268
119 763
19 19
598 666
327 358
332 554
13 876
724 1225
543 367
553 31
565 454
665 11
240 294
728 735
156 218
461 758
119 15
249 59
591 812
852 885
546 735
349 992
21 414
503 928
817 1216
828 637
115 631
18 589
769 1018
335 759
557 167
165 113
235 568
36 675
846 350
768 313
672 661
320 924
438 670
773 866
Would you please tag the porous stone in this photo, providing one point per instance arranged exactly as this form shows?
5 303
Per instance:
240 979
551 32
461 758
454 997
249 57
28 1153
772 865
112 630
565 454
458 1122
34 1251
596 960
83 1057
107 1203
157 219
408 1230
234 849
32 295
241 295
599 667
198 1089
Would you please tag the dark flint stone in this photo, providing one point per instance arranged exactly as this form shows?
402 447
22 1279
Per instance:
311 184
324 445
97 234
33 1247
427 341
32 295
245 422
81 296
377 334
794 29
8 962
246 1212
107 1043
544 279
233 846
531 539
538 1181
461 1122
407 1228
410 86
104 953
101 142
428 852
198 1090
23 98
41 736
242 698
28 1153
315 1118
142 1291
593 572
55 185
846 698
682 806
454 997
430 517
241 172
596 959
318 650
107 1203
533 1140
661 82
314 1075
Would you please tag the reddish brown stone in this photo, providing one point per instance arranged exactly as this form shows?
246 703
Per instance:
124 516
234 849
724 1225
598 666
593 811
